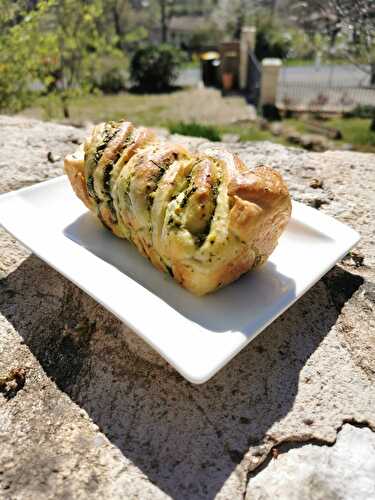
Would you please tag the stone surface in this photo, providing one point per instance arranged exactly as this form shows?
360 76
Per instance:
346 470
101 415
27 148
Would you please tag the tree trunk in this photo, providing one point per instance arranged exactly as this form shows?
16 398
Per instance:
240 21
273 8
372 77
118 27
163 19
66 111
65 107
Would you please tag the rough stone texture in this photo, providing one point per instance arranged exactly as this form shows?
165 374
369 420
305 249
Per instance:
33 151
100 415
346 470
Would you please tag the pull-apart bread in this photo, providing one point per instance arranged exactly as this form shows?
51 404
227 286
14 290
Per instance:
204 218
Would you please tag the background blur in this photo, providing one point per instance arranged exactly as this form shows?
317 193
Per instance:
298 73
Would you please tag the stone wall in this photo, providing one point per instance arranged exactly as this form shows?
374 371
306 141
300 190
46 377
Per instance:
87 410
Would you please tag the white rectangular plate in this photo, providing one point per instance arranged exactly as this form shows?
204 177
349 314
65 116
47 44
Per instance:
197 335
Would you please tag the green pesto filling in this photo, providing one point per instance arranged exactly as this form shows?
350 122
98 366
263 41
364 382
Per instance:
163 167
170 271
109 134
201 238
107 175
157 179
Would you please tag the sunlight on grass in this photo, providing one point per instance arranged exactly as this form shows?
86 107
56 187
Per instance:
195 129
355 131
195 112
204 106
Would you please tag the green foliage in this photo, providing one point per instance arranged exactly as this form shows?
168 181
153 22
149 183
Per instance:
50 104
340 29
364 111
18 63
361 111
196 130
56 44
73 41
135 36
112 81
154 67
356 131
271 112
302 47
207 35
129 25
253 133
272 39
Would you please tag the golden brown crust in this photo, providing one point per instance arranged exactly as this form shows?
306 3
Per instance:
206 219
74 169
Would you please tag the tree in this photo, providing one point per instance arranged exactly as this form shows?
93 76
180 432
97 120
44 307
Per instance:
130 24
357 21
164 12
231 15
154 67
72 44
163 20
272 37
55 44
353 20
18 62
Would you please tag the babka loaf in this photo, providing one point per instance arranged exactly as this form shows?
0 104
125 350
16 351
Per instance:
204 218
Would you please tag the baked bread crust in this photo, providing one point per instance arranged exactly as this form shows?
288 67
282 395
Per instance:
204 218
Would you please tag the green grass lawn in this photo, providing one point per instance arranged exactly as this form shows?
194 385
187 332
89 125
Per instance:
298 62
97 108
199 112
355 131
196 108
205 106
250 132
191 64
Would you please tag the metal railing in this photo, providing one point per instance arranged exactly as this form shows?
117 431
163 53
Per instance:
317 96
254 75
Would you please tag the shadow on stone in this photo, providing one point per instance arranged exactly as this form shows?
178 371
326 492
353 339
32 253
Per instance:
187 439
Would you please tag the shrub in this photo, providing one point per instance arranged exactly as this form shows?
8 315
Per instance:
196 130
272 39
301 47
205 36
361 111
270 112
154 68
111 81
